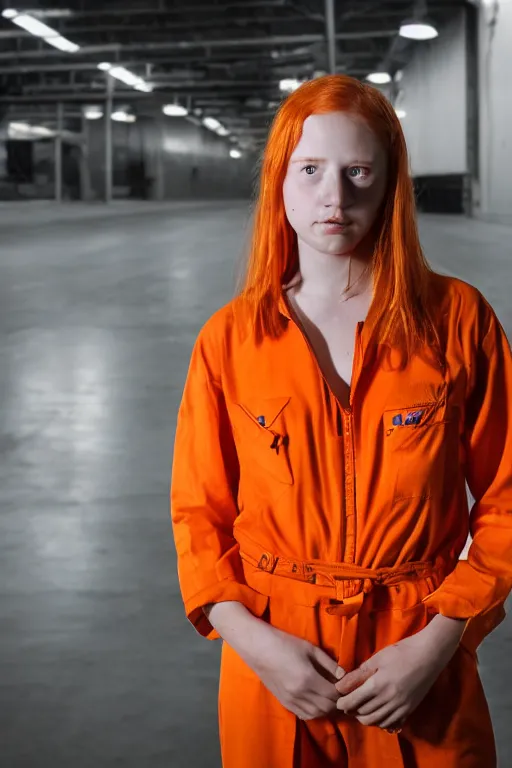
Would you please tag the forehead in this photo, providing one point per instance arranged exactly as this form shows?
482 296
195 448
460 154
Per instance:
337 133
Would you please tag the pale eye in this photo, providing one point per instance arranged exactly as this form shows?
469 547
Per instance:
358 173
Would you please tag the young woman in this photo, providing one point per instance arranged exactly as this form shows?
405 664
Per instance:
331 416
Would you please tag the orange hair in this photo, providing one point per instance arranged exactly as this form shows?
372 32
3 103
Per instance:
401 274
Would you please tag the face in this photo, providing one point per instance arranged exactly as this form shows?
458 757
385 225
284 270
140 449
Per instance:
338 171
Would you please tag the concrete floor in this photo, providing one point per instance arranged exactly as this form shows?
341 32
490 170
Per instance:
98 313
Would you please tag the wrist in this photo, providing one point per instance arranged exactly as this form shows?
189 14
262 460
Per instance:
240 629
446 633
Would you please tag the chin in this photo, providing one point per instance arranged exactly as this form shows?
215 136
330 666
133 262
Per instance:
340 246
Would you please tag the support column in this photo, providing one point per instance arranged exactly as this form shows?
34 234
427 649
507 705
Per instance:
331 35
85 173
58 153
108 139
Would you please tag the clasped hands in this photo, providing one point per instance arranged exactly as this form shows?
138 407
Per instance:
382 692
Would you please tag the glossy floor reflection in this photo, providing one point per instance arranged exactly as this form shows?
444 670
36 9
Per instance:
98 313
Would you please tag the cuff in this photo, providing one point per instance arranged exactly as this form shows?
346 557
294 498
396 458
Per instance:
221 592
478 627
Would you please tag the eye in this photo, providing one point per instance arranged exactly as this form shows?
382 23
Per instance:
310 169
357 172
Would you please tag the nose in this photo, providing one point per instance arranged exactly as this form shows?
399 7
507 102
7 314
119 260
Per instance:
337 192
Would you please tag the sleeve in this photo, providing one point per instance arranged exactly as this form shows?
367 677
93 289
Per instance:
477 588
203 499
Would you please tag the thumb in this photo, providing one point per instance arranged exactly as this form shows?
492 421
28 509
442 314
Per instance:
324 662
355 679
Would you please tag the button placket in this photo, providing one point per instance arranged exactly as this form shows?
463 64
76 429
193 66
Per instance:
348 555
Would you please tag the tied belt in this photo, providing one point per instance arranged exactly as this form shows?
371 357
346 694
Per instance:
341 587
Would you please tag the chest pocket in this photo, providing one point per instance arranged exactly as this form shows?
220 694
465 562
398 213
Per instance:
261 436
419 440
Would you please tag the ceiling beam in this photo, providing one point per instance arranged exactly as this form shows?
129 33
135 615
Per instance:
191 45
224 59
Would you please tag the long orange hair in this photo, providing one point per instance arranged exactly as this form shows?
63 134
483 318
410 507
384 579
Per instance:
400 306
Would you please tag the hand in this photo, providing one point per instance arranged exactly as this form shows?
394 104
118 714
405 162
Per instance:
300 675
391 684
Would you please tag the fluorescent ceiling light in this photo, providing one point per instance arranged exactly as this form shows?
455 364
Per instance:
93 113
174 110
26 131
235 153
379 78
38 29
222 131
126 77
211 123
63 44
123 117
400 113
289 84
418 30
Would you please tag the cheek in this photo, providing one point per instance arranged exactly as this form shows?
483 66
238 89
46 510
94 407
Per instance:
295 202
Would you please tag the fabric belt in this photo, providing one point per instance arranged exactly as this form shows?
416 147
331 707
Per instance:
341 586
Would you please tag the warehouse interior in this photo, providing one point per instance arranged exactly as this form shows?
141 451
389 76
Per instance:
131 136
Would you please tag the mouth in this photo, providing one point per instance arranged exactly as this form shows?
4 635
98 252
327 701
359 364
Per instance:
339 222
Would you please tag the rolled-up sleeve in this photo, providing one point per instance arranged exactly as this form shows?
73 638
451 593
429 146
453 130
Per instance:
203 496
478 587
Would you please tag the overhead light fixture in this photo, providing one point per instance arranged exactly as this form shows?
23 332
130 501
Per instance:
418 30
125 76
289 84
93 113
401 113
211 123
120 116
38 29
26 131
235 153
222 131
379 78
174 110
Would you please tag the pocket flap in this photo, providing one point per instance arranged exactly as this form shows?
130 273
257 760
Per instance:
417 415
264 410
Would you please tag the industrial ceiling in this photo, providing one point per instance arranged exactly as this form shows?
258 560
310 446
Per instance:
216 58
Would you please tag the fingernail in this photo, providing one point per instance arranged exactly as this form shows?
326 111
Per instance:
340 673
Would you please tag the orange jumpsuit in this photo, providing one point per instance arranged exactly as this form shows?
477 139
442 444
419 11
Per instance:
345 526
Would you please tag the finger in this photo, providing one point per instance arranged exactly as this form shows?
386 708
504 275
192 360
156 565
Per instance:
324 663
369 690
384 714
318 706
319 686
396 720
371 706
352 680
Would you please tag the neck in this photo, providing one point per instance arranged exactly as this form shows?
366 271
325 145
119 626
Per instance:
333 276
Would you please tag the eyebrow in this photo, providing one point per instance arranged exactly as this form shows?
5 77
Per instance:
323 160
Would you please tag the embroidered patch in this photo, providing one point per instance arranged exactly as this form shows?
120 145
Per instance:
411 419
414 417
